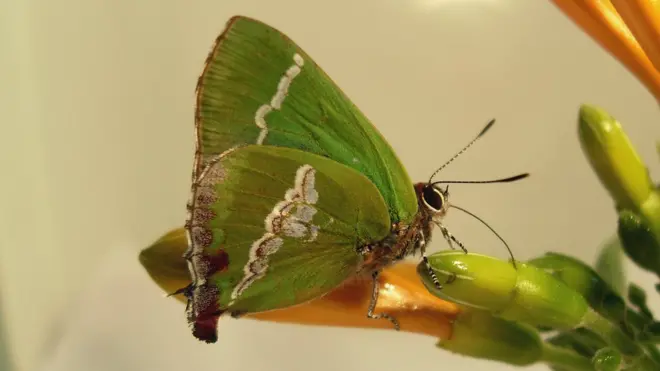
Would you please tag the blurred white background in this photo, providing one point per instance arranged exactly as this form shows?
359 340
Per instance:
97 145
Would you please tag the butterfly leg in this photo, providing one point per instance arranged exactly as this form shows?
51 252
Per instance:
374 300
421 245
449 237
436 282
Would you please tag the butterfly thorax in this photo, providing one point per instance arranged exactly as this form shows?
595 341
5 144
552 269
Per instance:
406 239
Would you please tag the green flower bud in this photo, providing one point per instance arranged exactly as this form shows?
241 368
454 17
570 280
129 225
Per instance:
478 334
607 359
601 297
639 241
583 279
523 293
613 157
164 261
626 178
610 267
527 294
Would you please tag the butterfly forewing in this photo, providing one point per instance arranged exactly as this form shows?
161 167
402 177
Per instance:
259 87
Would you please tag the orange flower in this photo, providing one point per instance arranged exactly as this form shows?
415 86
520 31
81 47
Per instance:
401 295
628 29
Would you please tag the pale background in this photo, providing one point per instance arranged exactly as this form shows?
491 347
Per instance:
97 144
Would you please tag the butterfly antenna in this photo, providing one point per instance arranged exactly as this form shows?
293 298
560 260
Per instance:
483 131
502 180
513 260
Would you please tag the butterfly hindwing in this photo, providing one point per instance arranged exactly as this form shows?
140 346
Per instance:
259 87
273 227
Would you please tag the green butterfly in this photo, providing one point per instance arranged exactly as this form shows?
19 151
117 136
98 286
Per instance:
294 191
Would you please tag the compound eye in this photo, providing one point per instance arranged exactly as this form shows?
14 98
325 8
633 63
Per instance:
433 198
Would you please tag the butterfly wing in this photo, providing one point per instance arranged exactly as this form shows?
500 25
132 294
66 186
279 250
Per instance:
259 87
273 227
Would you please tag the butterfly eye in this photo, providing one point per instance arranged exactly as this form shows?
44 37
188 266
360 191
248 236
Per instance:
433 198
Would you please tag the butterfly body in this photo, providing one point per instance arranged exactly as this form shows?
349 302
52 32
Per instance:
404 239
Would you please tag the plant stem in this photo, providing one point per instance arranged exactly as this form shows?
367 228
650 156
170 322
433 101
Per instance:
643 363
612 334
652 351
564 359
634 355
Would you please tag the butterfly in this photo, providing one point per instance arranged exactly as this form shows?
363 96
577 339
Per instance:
294 191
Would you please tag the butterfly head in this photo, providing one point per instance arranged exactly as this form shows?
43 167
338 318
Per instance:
433 199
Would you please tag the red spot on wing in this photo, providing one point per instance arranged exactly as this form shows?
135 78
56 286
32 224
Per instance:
205 327
218 262
205 323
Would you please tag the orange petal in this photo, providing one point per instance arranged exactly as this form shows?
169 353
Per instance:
600 20
643 18
401 295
